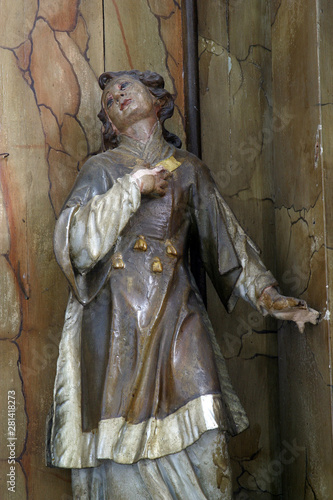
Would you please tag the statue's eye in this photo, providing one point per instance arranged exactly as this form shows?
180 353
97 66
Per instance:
124 85
109 102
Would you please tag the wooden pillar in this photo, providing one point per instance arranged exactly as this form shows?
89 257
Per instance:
235 57
302 96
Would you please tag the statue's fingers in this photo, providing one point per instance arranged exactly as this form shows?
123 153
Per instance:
167 174
158 168
160 171
313 316
161 188
300 326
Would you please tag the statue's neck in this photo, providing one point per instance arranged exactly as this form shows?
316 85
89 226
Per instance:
152 151
142 130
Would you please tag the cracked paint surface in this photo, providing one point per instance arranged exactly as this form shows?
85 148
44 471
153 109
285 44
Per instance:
303 208
246 126
237 143
51 55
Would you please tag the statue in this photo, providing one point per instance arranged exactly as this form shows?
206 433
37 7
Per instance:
143 402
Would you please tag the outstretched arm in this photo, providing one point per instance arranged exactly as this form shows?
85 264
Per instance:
287 308
228 244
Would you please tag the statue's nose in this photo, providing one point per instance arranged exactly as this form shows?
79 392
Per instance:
118 95
119 92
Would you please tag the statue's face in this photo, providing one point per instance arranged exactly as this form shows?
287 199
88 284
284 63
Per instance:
128 101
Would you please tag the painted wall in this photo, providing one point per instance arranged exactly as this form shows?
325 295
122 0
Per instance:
51 54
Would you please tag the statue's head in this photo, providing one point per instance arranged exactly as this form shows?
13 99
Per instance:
151 100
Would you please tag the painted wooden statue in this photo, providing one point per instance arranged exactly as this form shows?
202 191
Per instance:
142 400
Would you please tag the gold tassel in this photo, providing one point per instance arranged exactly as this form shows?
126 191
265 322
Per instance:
157 265
117 261
140 244
170 249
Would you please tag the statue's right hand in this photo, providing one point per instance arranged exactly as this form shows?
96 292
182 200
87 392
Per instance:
152 181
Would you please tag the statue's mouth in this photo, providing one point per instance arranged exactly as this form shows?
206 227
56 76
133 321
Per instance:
124 103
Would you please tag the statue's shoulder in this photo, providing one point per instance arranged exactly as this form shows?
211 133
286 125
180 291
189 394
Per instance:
107 163
96 176
191 163
100 160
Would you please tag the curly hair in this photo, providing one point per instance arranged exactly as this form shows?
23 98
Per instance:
155 84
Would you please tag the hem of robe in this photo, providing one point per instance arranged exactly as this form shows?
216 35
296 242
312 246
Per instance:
127 443
153 438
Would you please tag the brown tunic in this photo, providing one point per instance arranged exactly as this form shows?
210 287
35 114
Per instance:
147 346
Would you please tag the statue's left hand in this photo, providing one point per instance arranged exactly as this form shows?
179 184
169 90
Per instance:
287 308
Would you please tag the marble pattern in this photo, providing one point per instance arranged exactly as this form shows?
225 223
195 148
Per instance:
51 55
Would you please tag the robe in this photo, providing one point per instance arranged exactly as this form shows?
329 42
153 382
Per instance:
140 374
